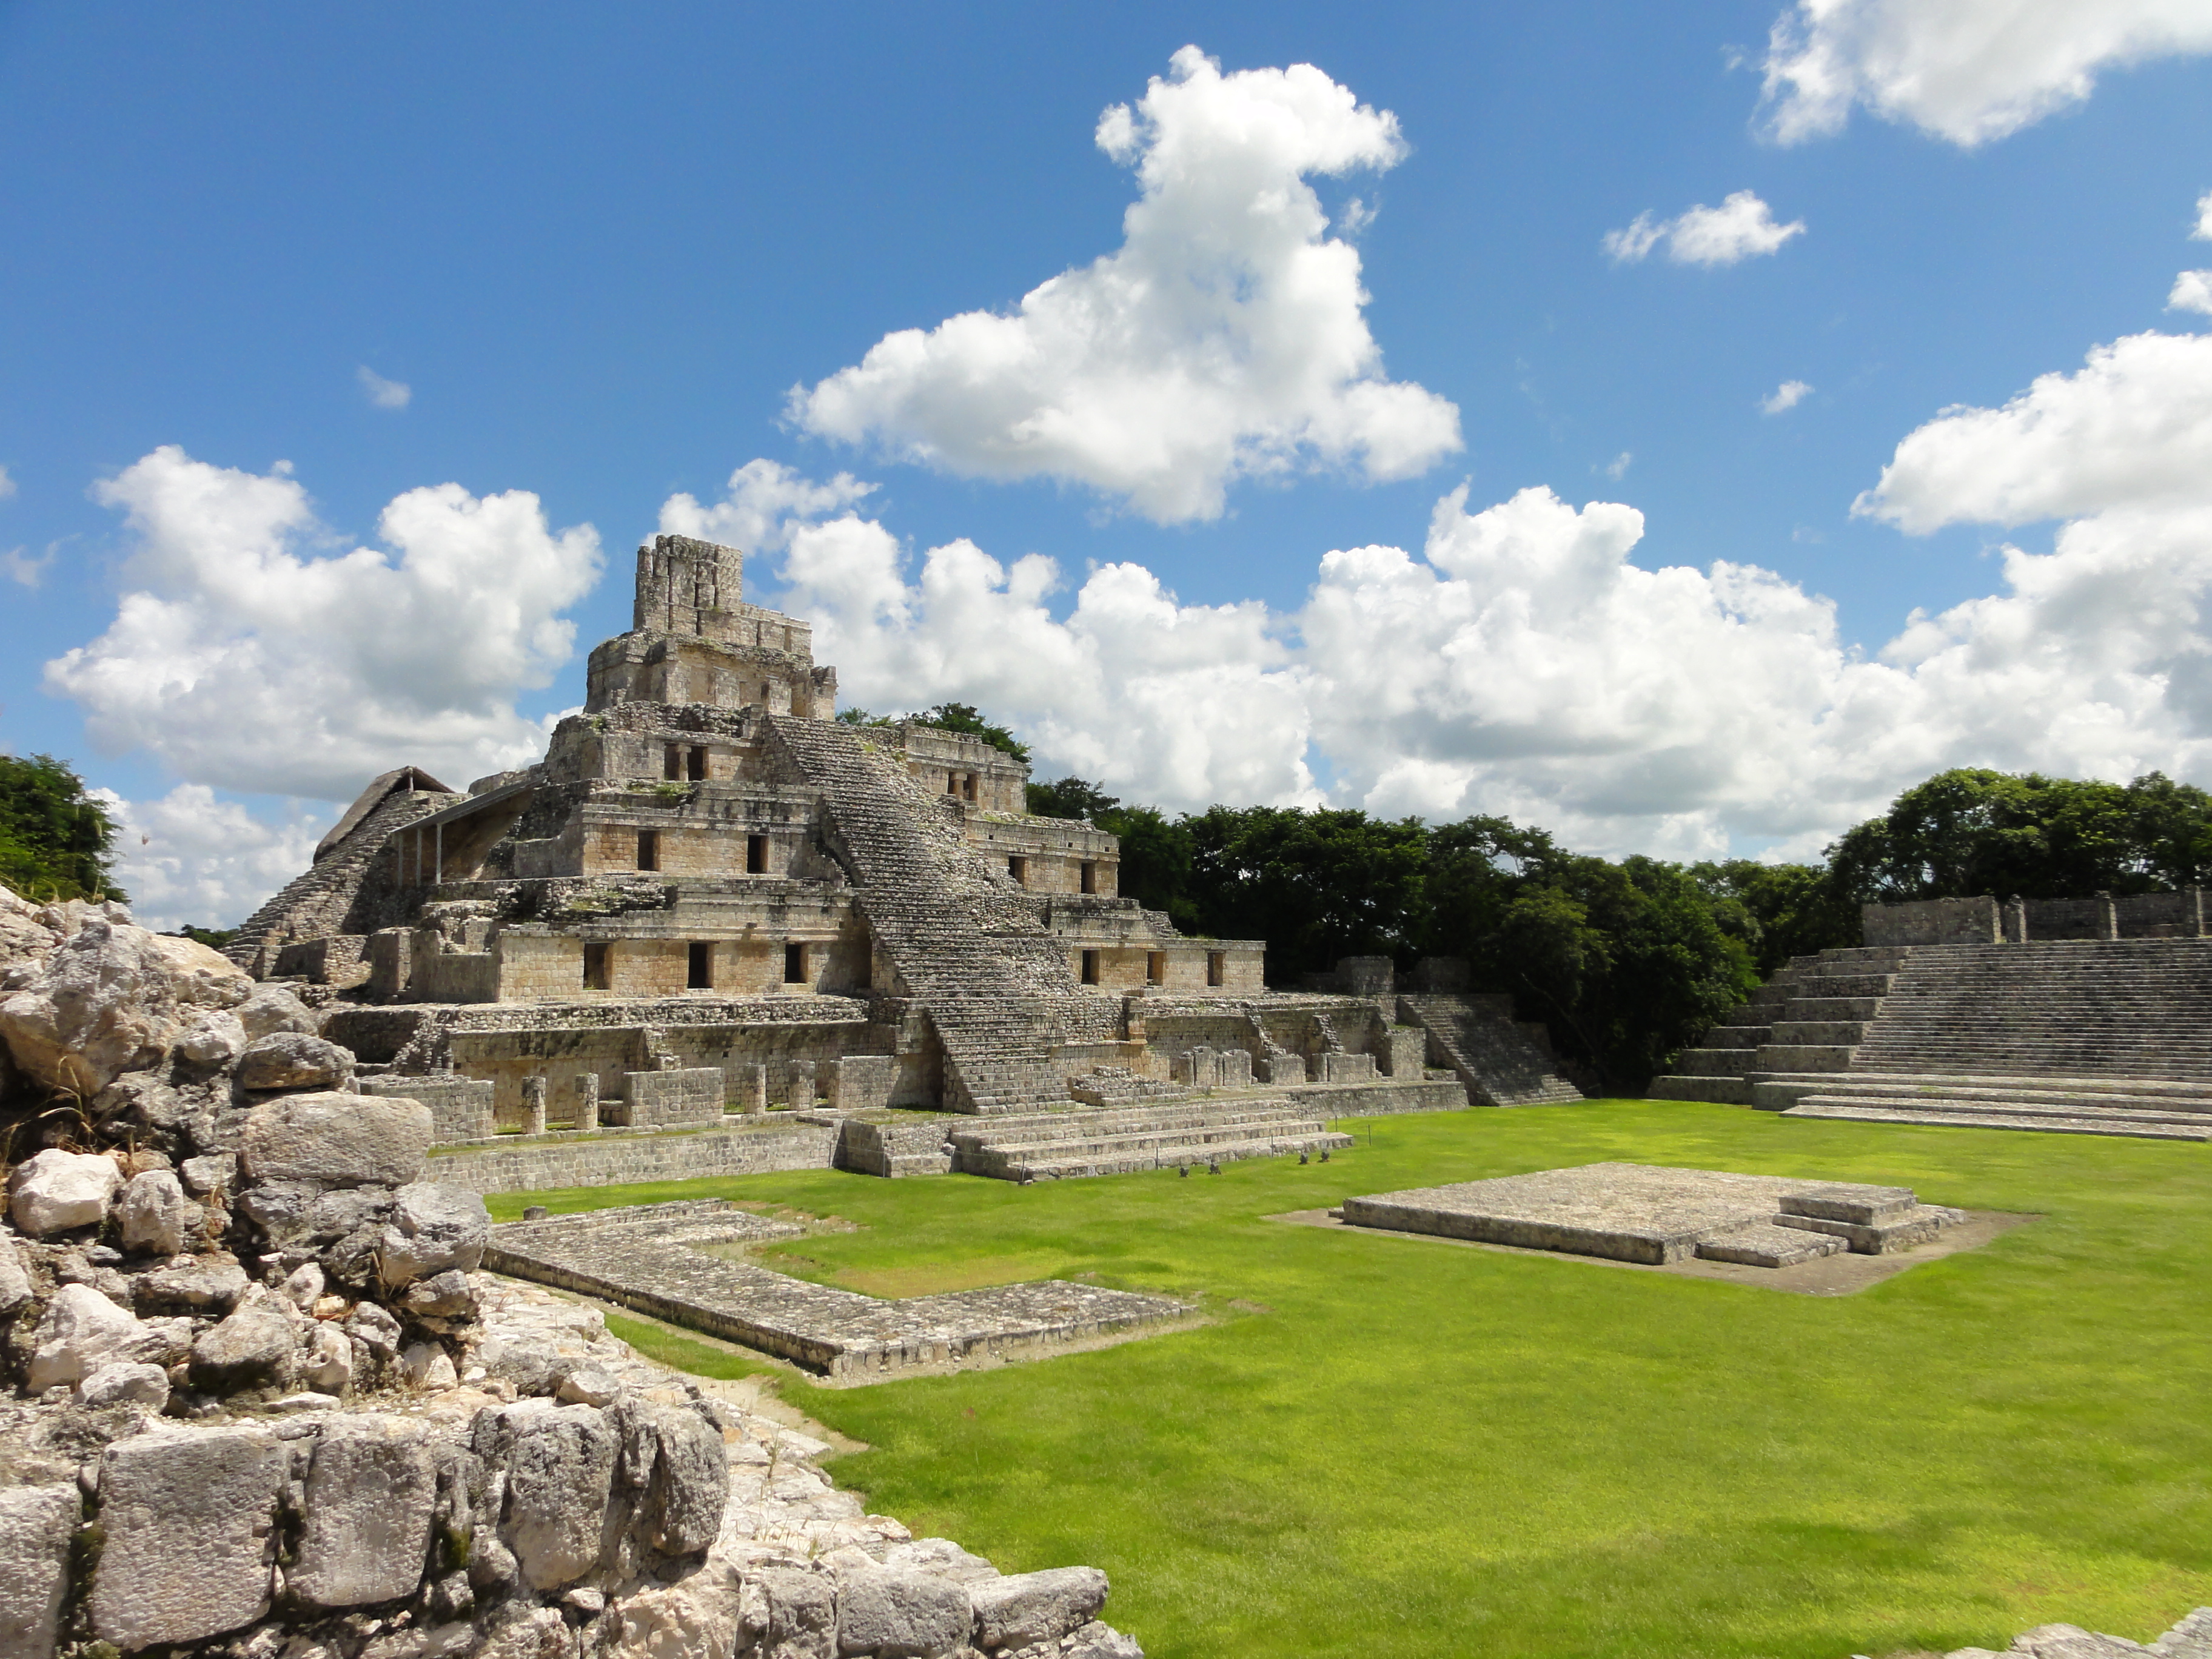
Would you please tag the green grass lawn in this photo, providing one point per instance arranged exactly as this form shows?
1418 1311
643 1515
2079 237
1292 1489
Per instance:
1388 1447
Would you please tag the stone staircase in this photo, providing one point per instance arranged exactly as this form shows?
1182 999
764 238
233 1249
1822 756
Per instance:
1494 1060
316 904
2105 1036
963 936
1153 1134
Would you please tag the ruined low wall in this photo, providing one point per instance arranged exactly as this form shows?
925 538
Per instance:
616 1160
1931 922
1330 1101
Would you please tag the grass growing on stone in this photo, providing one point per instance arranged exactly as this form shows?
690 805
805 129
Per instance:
1387 1446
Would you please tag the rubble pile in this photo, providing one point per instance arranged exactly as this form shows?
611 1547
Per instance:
261 1402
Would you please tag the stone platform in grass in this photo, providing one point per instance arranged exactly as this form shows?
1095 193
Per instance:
1648 1213
646 1257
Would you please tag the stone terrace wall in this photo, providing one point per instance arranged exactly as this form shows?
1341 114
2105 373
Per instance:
1931 922
602 1161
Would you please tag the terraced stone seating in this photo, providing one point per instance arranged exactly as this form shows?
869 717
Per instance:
1492 1058
1156 1134
2102 1037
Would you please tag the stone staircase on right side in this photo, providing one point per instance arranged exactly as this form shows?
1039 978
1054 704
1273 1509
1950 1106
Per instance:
2098 1036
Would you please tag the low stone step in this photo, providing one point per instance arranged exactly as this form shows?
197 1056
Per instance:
981 1160
1763 1244
1722 1090
1225 1153
2125 1127
1914 1226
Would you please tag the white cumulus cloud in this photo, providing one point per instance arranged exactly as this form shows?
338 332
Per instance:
382 393
7 485
252 652
2203 231
188 858
2192 291
1740 228
1227 337
1965 71
1784 398
2132 429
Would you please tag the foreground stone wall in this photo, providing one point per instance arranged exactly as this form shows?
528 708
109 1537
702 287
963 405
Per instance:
612 1160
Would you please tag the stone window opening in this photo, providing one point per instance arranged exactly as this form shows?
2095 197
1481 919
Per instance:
794 964
765 688
672 761
1090 876
756 855
1216 967
951 783
968 787
1091 967
1156 967
648 849
699 974
695 767
1019 868
595 967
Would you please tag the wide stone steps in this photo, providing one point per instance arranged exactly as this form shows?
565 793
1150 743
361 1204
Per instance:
1495 1062
1054 1145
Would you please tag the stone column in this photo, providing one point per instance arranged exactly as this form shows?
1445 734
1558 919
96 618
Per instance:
2192 913
802 1086
533 1104
2108 917
755 1090
587 1100
2017 920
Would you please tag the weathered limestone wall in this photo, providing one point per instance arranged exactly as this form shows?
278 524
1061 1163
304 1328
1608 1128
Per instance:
1931 922
609 1053
619 1159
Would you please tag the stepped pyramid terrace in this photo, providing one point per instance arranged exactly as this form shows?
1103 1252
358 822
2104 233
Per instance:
712 897
2075 1016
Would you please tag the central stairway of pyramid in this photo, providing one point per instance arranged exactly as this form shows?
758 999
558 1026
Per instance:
963 936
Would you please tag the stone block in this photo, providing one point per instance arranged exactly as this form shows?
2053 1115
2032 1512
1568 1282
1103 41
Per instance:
587 1102
672 1099
293 1059
81 1330
156 1217
337 1140
433 1228
461 1107
859 1083
369 1492
252 1348
1023 1608
54 1191
1340 1067
120 1381
1407 1053
36 1526
792 1613
190 1523
902 1615
561 1467
1283 1069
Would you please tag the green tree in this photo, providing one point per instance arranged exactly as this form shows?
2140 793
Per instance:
964 717
1316 885
54 838
1069 798
1972 831
1792 909
1156 862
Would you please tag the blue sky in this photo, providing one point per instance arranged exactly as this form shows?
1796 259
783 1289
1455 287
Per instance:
598 248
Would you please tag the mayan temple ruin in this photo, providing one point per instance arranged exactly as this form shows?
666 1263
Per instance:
712 896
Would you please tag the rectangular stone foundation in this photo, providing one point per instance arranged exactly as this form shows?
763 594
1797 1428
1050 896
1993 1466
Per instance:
1655 1215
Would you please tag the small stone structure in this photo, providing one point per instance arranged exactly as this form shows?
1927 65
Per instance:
1652 1214
645 1258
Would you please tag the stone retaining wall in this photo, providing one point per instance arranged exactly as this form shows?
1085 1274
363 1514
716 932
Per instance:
616 1160
1329 1101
